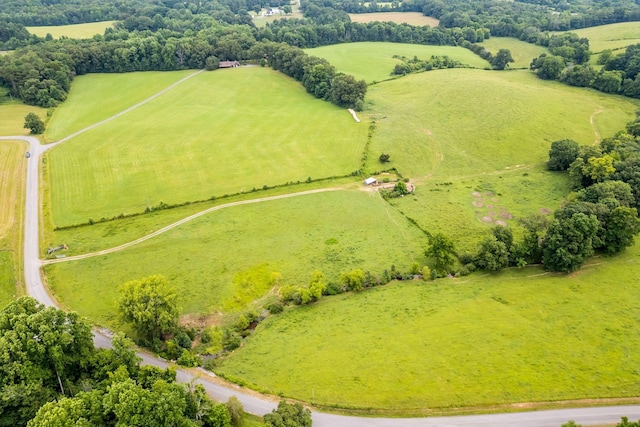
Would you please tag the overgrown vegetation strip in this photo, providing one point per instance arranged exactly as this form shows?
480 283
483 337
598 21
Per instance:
183 221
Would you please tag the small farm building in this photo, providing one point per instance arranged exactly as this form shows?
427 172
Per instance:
228 64
370 181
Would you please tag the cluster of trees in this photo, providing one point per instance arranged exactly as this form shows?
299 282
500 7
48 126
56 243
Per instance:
499 61
52 375
619 74
318 77
412 65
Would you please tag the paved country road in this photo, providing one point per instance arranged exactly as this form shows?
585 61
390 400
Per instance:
261 405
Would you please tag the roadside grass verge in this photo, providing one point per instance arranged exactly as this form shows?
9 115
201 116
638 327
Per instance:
95 97
373 61
218 133
74 31
611 36
332 232
464 208
109 234
12 177
451 123
522 52
518 336
411 18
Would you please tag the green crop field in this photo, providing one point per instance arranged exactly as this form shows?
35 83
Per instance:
612 36
523 53
411 18
518 336
208 258
75 31
217 133
373 61
12 176
95 97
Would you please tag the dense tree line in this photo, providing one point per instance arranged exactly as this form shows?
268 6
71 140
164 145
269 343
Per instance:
619 75
51 374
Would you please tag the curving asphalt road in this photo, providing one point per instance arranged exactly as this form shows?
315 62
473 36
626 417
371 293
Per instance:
261 405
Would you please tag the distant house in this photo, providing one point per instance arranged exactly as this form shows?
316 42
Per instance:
371 181
229 64
273 11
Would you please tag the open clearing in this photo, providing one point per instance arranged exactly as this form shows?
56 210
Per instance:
332 232
217 133
453 123
373 61
12 175
449 343
612 36
522 52
411 18
95 97
12 115
75 31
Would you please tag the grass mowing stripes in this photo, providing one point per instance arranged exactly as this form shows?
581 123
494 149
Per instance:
95 97
332 232
373 61
74 31
12 177
217 133
518 336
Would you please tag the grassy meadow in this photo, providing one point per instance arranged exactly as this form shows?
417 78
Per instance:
612 36
95 97
523 53
462 123
75 31
12 176
12 114
213 258
373 61
518 336
411 18
217 133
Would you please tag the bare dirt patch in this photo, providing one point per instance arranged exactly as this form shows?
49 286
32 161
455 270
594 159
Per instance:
476 194
545 211
487 219
478 204
501 223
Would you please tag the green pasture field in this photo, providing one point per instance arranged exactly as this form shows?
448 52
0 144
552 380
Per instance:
523 53
208 259
12 177
373 61
612 36
12 114
109 234
75 31
447 124
411 18
465 208
519 336
218 133
95 97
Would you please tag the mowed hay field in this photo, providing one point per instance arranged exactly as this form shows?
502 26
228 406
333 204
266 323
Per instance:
523 53
75 31
12 176
612 36
374 61
411 18
96 97
220 132
208 259
518 336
